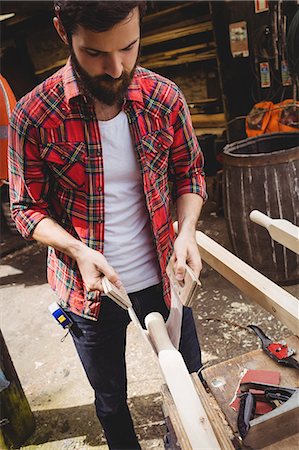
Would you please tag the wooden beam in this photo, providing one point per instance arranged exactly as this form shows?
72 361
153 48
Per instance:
215 415
178 51
177 33
165 12
190 409
270 296
280 230
183 59
211 120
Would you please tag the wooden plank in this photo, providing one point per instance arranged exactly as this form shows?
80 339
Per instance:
177 33
166 12
212 120
177 51
184 59
191 412
209 130
280 230
223 379
179 438
267 294
221 428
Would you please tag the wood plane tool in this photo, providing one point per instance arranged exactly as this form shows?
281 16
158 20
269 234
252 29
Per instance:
280 230
275 425
186 289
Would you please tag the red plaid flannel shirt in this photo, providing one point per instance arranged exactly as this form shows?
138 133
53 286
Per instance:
56 169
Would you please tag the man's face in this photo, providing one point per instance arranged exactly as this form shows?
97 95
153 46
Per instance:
105 61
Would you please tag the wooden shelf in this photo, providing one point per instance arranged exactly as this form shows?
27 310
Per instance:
209 130
208 120
166 12
180 56
176 33
184 59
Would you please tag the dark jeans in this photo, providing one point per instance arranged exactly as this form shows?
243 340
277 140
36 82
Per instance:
101 348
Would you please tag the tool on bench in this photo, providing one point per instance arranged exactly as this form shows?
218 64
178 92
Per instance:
278 351
270 393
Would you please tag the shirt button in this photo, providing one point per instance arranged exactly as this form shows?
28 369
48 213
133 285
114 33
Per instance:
100 189
101 221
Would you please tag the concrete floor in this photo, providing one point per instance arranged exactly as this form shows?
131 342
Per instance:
52 376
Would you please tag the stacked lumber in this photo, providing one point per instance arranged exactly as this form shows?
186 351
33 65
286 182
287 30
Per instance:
177 33
192 53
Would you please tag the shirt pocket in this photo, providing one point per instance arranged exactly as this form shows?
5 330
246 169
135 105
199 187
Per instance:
66 162
156 147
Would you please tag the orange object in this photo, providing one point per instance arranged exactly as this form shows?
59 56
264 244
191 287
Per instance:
265 117
7 104
258 118
289 116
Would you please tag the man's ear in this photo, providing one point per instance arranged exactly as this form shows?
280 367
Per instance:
60 30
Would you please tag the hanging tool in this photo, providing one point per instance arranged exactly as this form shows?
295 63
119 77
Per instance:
278 351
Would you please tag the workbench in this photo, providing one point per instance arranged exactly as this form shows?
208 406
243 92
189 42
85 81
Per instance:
222 380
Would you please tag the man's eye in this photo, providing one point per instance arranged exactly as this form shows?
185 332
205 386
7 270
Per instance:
93 54
128 48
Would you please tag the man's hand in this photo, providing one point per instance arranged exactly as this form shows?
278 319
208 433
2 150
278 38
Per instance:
186 252
93 266
185 246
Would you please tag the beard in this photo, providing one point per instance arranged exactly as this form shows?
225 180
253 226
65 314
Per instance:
104 88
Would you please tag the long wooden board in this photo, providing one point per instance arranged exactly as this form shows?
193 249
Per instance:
190 409
267 294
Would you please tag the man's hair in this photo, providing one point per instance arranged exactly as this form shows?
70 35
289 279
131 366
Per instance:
95 16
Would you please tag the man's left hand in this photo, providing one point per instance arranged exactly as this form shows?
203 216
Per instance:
186 252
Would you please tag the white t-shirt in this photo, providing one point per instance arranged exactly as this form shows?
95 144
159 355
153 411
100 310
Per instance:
128 241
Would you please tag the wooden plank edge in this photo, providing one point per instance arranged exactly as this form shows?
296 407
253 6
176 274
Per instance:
222 430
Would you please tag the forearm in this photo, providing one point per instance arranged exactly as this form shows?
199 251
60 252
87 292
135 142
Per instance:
188 211
92 264
50 233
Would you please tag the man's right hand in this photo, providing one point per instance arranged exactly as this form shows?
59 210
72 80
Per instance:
93 266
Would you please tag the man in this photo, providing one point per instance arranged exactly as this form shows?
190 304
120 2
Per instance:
92 151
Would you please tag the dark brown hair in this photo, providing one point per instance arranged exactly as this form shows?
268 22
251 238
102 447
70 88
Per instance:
94 15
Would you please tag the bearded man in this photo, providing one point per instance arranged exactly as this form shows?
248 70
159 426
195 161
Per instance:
92 151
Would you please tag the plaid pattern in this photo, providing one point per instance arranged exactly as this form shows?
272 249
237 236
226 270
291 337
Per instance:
56 169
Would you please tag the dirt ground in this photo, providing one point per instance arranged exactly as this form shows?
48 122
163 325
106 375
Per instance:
51 374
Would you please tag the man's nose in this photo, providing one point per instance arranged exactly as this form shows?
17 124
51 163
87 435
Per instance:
113 66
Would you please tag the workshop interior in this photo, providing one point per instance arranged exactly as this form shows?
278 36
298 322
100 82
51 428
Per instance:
237 64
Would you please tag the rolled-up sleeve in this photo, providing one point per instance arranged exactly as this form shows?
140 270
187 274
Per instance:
186 159
28 181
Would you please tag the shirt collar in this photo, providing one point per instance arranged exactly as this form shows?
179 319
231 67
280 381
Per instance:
71 88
